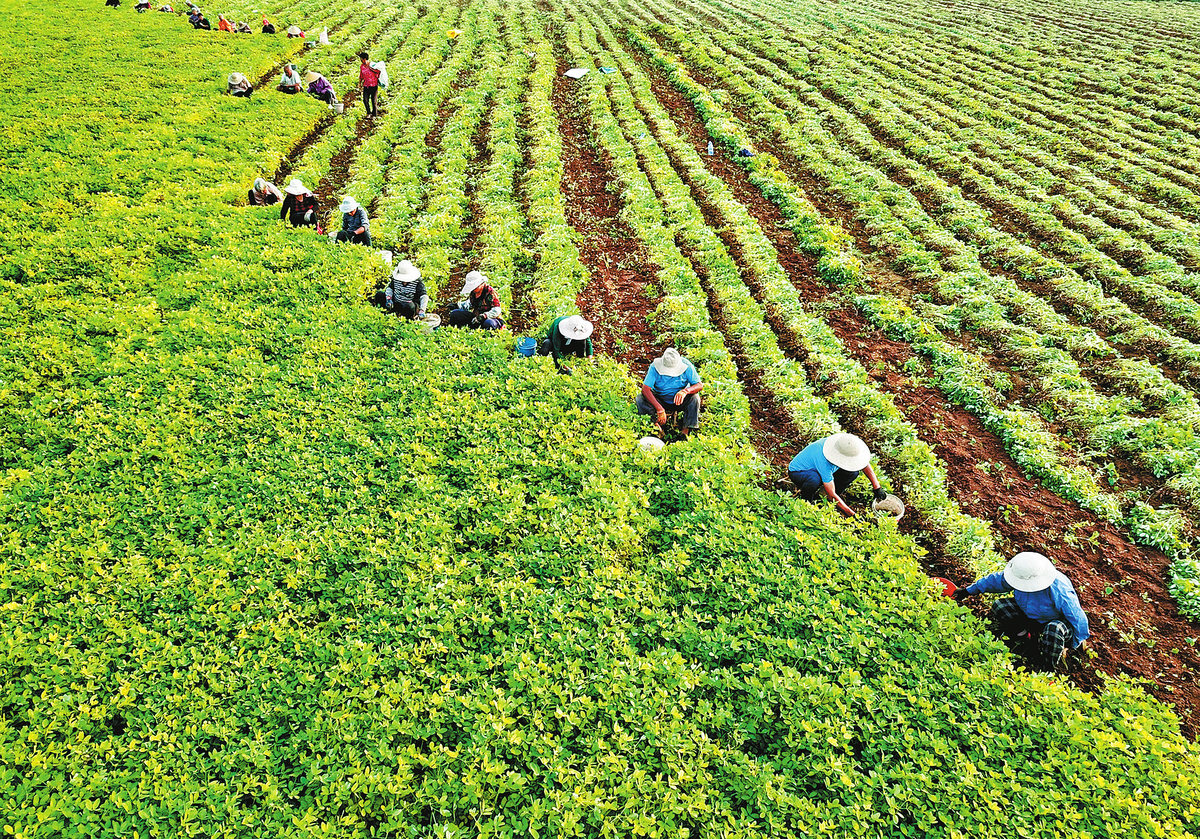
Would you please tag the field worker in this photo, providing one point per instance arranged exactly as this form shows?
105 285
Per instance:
356 228
263 193
243 28
142 6
1043 606
405 294
166 8
369 76
568 335
268 28
239 85
299 205
830 464
671 386
112 3
223 25
481 308
319 87
289 82
199 21
294 31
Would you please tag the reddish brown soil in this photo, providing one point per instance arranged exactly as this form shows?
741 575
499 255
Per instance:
1137 629
622 291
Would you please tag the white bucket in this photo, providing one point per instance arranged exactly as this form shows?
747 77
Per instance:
338 107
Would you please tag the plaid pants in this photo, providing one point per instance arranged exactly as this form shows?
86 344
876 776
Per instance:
1051 638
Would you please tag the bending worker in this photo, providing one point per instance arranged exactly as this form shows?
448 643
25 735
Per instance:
568 335
671 386
1043 606
830 464
356 227
405 294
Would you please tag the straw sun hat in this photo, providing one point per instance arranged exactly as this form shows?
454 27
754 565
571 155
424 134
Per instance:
406 272
845 451
1029 571
472 281
575 328
311 76
671 363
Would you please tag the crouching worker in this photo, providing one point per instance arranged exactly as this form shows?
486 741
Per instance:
239 85
299 205
829 465
568 335
319 87
405 294
356 228
1044 607
671 386
263 193
289 82
481 309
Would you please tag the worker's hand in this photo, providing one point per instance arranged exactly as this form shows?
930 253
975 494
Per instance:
565 370
680 396
880 493
477 319
961 594
660 417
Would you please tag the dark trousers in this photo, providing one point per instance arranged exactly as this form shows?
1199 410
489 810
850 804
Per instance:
463 317
810 485
245 94
363 238
289 89
578 350
327 97
370 100
402 308
689 410
1048 639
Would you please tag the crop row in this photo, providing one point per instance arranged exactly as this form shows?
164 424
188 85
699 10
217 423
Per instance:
891 214
687 191
1026 438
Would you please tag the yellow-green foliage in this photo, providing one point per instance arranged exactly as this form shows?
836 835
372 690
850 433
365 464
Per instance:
272 564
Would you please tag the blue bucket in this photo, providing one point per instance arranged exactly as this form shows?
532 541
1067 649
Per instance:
527 346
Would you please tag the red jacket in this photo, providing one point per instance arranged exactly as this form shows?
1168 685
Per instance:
368 75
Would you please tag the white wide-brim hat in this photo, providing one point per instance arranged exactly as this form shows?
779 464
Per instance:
575 328
348 205
260 184
671 363
295 30
296 188
406 272
472 281
845 451
1029 571
236 78
311 76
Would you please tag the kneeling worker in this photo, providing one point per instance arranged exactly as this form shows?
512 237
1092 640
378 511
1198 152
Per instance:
673 386
568 335
1043 605
830 464
405 294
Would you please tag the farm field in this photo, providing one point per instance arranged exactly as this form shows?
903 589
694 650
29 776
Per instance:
274 564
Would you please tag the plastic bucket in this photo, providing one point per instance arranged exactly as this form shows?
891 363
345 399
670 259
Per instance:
338 107
948 588
527 346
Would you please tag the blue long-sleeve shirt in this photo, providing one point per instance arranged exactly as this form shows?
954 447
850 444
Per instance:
1058 602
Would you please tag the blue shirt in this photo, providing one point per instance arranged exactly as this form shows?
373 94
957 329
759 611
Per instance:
1059 602
666 387
812 457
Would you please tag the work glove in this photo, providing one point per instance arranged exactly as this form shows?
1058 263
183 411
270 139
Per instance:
880 493
961 594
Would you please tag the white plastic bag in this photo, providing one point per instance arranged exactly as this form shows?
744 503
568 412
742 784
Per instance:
324 39
576 73
383 76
